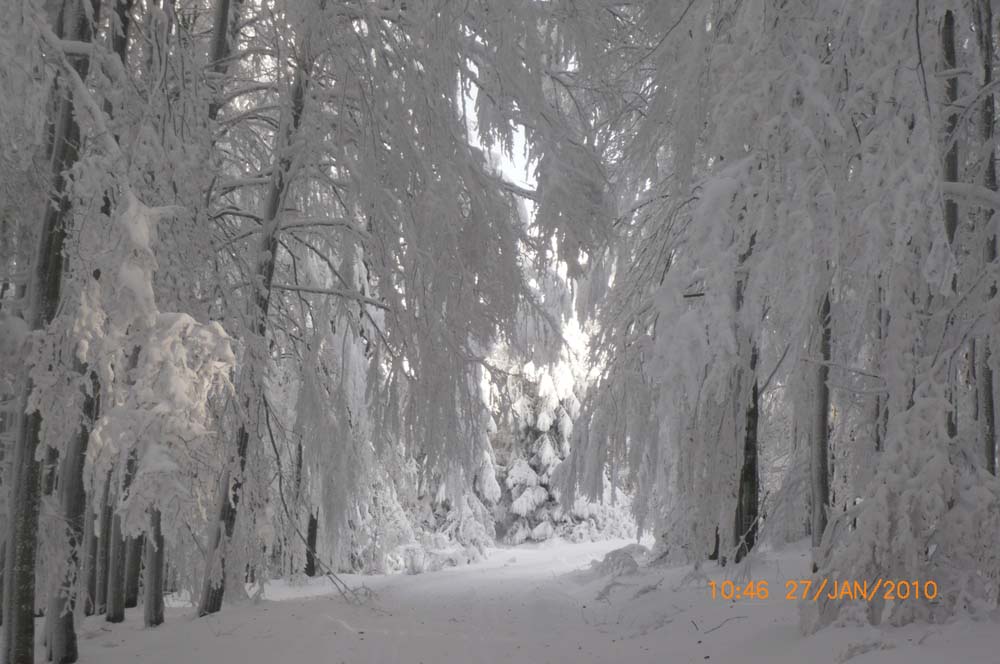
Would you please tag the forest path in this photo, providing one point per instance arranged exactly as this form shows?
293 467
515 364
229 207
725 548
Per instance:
516 606
529 605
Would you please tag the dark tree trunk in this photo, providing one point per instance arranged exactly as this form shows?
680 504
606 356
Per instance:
819 471
90 602
312 529
133 568
297 502
71 23
715 555
985 390
747 506
73 499
103 550
311 535
214 588
223 34
745 521
881 412
153 577
116 573
3 574
951 173
951 157
116 559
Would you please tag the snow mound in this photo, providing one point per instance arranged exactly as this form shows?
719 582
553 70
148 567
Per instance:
621 562
418 559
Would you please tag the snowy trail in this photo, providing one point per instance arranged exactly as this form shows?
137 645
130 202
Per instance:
529 605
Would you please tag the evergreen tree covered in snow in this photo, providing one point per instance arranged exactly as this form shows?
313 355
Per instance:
533 443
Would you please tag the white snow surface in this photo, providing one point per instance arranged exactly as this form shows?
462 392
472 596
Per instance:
535 603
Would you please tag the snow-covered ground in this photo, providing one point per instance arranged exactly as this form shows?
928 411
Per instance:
530 605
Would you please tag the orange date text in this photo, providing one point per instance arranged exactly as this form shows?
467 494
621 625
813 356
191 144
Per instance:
828 589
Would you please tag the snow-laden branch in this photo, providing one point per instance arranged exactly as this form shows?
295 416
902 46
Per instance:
339 292
972 194
309 222
82 96
519 191
328 222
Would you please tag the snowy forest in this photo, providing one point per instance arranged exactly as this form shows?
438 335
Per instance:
389 312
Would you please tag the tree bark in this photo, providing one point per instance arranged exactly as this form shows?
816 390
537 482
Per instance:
222 531
103 550
3 575
985 379
951 173
133 568
211 599
312 529
881 325
214 587
311 536
820 449
73 24
747 505
223 34
115 612
116 559
153 579
90 563
73 499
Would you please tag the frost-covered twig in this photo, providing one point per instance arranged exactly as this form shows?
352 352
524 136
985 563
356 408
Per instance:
339 292
781 360
709 631
648 589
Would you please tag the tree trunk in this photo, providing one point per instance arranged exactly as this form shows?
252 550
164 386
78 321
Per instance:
116 573
312 529
881 325
116 559
73 499
19 581
951 173
745 521
133 567
984 373
223 32
103 550
153 578
820 449
211 599
311 535
296 503
3 575
90 563
715 555
747 506
214 586
72 24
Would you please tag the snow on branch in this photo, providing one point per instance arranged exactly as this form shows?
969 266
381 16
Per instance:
339 292
971 194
